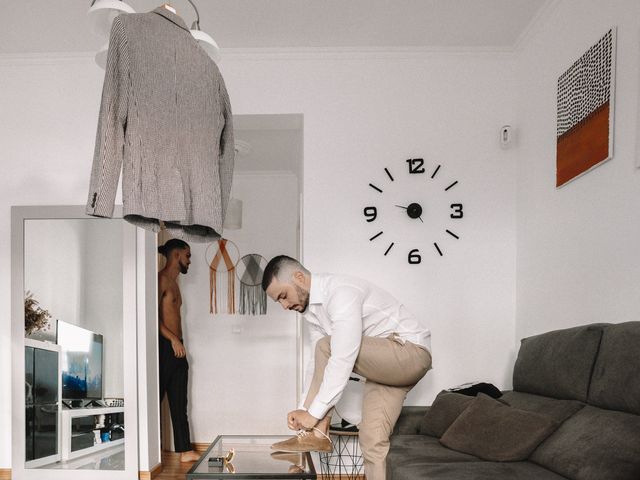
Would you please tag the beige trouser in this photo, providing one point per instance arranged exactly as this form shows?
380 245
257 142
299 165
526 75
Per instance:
391 369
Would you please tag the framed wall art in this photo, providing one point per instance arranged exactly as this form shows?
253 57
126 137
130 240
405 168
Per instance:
585 111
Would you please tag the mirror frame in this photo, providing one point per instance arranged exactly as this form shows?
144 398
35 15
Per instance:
19 214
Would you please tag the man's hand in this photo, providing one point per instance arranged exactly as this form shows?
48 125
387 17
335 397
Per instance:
178 349
301 420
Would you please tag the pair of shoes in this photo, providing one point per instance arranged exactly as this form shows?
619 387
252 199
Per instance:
305 441
297 460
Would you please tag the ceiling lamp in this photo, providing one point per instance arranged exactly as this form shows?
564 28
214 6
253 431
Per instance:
101 56
207 43
205 40
102 13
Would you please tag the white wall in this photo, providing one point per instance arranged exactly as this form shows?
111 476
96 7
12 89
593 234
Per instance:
103 297
74 270
54 270
242 368
578 259
362 111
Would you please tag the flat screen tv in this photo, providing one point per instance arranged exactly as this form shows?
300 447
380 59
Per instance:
81 363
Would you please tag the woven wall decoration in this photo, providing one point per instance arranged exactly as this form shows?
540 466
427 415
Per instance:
221 256
584 127
252 300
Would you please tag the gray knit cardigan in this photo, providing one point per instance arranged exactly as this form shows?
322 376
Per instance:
165 121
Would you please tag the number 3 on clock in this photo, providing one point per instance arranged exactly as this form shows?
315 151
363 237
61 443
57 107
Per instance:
457 210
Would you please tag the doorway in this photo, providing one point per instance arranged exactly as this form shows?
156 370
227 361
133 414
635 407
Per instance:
244 356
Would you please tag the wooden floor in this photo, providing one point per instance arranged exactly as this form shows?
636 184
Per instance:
172 469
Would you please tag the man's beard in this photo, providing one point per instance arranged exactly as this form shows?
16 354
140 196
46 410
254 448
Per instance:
303 296
183 268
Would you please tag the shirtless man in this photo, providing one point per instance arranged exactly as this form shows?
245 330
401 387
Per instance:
174 369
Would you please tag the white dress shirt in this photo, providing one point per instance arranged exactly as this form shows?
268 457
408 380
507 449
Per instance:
348 308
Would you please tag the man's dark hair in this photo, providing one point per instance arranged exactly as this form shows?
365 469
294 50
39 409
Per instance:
278 264
171 245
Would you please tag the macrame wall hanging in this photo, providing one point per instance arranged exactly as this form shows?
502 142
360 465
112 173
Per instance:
252 300
221 256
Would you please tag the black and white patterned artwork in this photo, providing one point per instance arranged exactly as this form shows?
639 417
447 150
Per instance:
585 110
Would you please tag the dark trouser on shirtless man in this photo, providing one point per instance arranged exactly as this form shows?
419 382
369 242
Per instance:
174 369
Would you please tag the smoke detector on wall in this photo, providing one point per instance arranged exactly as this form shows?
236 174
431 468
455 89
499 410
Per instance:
507 136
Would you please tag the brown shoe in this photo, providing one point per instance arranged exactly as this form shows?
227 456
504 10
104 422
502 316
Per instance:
295 458
305 441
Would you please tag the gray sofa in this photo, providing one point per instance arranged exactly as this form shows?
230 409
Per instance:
586 378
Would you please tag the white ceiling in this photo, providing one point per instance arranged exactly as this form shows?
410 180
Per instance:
43 26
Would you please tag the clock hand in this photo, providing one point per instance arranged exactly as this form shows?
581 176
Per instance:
421 219
401 206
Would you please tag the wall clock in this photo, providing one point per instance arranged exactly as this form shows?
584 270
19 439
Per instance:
414 210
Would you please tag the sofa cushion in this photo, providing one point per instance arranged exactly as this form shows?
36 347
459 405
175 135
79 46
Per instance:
594 444
426 470
409 448
494 431
615 383
445 409
559 410
409 420
558 364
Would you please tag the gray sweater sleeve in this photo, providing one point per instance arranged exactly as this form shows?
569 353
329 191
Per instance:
112 119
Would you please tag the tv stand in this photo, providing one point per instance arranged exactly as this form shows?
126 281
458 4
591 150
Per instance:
83 404
78 425
72 403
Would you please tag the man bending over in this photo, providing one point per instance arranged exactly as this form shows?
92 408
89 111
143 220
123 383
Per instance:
356 327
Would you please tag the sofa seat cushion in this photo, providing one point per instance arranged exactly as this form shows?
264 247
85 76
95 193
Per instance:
446 407
559 410
558 364
594 444
494 431
615 384
409 420
425 470
409 448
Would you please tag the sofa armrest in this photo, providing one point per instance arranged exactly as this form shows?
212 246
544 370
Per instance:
409 421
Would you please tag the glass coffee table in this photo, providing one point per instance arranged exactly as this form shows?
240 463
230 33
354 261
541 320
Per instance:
253 459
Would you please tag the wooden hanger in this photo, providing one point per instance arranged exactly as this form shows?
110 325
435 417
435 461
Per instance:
169 7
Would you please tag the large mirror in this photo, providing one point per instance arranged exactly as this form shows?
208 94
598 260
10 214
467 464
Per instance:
74 328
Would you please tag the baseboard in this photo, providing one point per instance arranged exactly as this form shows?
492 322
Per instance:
5 474
155 471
